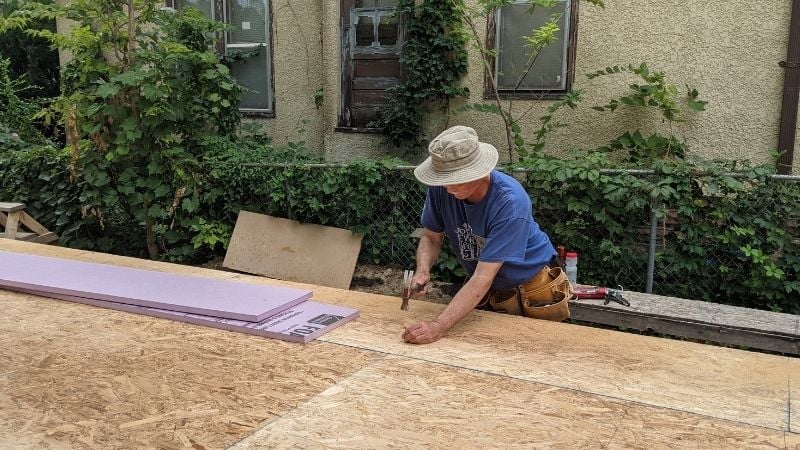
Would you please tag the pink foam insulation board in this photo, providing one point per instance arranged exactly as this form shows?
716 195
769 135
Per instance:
303 322
195 295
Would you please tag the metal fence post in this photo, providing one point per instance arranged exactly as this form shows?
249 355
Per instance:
651 251
288 189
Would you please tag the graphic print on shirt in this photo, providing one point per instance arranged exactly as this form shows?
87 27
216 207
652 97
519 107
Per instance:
469 244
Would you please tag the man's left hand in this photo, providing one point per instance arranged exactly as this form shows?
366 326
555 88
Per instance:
423 332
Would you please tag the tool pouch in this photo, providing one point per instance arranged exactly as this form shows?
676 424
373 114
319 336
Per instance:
545 296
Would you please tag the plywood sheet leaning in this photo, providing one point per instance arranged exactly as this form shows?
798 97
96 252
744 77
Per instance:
196 295
303 322
290 250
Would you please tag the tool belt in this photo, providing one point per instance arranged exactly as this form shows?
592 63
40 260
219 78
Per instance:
545 296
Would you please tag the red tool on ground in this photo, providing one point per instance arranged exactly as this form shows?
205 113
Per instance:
583 291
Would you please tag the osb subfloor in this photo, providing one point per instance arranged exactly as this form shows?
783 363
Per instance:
86 377
400 402
73 376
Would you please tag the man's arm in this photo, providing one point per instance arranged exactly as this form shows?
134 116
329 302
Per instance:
430 245
464 301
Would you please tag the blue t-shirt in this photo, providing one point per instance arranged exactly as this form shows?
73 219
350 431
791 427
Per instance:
498 228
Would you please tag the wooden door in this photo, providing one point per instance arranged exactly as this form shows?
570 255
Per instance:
371 33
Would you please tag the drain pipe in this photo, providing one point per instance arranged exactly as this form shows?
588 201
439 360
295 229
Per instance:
791 89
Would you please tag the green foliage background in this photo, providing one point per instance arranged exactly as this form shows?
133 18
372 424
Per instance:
31 58
434 58
157 161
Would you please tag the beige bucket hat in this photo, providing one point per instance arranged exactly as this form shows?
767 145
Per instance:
456 156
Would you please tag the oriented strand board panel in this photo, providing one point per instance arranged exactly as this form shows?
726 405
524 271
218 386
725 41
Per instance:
718 382
794 385
180 386
196 295
303 322
80 377
294 251
405 403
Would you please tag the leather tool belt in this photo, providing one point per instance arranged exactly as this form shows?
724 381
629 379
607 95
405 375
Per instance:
545 296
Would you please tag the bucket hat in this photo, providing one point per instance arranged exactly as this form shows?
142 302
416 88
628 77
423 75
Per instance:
456 156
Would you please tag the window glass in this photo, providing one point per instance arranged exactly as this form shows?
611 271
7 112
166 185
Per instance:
388 29
250 74
549 70
365 30
249 21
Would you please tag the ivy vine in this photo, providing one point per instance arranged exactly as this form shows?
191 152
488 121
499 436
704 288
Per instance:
434 58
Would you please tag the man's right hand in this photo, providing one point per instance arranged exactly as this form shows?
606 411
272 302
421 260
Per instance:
420 284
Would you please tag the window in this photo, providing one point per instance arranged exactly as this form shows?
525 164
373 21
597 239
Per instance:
375 26
552 71
249 37
371 36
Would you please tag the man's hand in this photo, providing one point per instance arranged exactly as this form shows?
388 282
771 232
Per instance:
420 284
423 332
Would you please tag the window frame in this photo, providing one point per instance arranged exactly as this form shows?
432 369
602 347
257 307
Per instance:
376 13
219 10
531 94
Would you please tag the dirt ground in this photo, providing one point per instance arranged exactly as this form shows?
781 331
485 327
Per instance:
389 281
378 280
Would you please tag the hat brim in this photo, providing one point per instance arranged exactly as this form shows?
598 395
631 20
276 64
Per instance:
477 169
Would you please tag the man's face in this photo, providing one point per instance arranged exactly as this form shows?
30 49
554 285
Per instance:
463 190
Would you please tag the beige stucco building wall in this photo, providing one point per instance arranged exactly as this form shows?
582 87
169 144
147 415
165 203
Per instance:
727 50
296 52
718 47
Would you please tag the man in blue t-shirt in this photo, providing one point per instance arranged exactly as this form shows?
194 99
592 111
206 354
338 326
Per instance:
488 219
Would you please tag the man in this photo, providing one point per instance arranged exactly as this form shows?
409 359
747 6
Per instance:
488 219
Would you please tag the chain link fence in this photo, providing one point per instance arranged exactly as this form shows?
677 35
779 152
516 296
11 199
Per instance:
718 246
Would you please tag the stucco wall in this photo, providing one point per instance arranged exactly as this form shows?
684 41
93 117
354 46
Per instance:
296 50
729 51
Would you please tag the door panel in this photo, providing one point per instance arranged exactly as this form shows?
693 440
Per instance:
371 33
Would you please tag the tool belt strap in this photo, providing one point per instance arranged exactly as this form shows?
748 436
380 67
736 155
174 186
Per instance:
545 296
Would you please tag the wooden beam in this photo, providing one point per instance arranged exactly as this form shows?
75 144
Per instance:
11 207
12 223
44 238
29 237
32 224
693 319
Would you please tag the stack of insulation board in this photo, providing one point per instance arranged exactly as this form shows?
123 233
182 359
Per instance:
270 311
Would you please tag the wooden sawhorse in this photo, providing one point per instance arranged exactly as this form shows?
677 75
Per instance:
16 221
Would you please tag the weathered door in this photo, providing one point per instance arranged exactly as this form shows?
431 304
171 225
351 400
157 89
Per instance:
371 32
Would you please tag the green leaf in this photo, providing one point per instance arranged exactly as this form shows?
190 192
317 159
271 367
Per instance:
130 78
161 190
107 90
